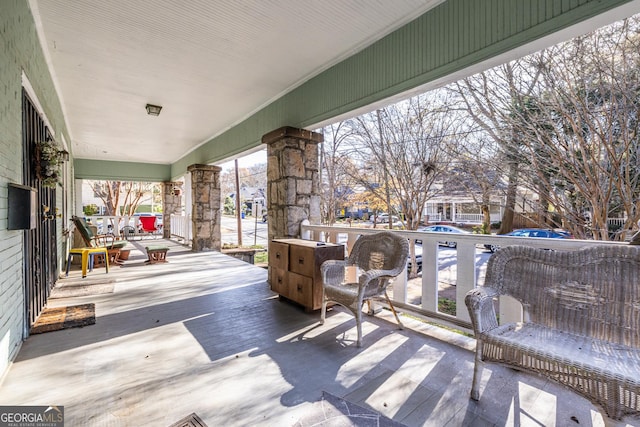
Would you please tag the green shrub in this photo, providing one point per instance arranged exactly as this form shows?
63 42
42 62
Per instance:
90 210
447 306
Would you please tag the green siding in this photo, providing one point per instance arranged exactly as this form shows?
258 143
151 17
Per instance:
451 37
124 171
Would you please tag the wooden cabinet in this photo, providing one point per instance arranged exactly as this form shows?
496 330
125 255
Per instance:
294 269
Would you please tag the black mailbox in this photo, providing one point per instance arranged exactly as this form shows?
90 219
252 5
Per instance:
22 207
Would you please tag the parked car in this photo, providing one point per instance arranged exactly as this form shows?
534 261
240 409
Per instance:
384 218
533 232
445 229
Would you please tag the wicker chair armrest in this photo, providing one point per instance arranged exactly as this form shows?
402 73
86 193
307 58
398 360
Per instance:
479 302
333 271
370 275
373 278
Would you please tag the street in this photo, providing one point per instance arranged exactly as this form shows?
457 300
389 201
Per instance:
253 232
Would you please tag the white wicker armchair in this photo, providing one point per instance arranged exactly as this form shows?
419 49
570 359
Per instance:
581 323
380 257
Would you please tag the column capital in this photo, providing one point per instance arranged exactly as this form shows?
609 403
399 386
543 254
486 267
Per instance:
291 132
200 167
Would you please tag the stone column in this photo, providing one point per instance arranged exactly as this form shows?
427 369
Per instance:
171 205
293 180
205 214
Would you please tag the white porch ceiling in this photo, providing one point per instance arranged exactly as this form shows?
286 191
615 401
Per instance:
208 63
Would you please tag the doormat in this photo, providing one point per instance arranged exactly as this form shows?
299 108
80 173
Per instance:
57 318
333 411
190 421
67 291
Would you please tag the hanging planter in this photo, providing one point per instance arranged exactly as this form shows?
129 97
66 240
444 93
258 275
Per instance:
48 163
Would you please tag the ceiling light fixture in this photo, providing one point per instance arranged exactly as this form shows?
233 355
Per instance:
153 110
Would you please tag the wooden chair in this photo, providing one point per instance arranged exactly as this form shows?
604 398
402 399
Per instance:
375 260
92 240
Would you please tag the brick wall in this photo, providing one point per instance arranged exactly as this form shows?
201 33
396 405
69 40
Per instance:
20 52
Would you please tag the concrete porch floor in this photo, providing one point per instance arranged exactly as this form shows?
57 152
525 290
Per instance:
203 333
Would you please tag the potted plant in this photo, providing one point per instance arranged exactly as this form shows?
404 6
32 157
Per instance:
48 163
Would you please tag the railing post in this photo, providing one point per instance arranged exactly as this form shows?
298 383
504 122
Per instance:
466 279
399 286
429 275
306 234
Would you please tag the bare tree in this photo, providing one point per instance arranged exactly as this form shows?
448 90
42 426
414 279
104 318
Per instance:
490 99
581 130
409 154
121 197
417 135
252 176
337 182
473 173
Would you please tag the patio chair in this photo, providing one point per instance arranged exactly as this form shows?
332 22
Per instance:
373 262
92 240
148 224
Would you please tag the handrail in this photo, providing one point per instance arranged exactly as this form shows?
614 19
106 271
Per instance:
468 273
113 224
127 226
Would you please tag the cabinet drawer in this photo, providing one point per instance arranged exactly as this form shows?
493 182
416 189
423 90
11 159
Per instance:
279 255
278 280
302 260
300 289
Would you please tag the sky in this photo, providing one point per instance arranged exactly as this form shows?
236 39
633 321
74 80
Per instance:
246 161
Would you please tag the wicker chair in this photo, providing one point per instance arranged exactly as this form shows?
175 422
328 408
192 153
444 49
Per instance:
581 323
380 257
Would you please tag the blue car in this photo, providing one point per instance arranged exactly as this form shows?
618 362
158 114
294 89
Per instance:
444 229
533 232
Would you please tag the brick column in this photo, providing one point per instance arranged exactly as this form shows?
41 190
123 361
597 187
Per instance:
205 214
171 205
293 180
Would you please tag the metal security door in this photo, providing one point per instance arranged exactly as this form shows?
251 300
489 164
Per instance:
40 244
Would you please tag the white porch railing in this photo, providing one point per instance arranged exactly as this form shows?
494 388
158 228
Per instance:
113 224
128 226
469 271
181 228
619 222
470 218
125 226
